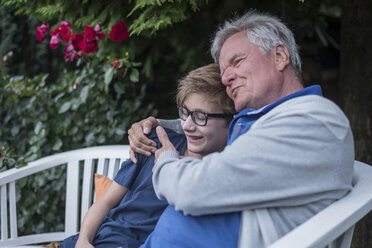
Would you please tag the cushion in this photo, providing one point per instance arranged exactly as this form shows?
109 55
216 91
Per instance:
101 185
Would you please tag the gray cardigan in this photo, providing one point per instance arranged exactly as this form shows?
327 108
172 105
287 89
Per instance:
293 162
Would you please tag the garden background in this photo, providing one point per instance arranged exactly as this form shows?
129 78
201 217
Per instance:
66 97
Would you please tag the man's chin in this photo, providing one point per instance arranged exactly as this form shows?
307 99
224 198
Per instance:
239 108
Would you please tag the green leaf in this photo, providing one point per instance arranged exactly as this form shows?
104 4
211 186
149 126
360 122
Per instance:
66 106
89 138
38 127
84 93
15 130
108 75
119 131
134 75
101 139
31 158
57 144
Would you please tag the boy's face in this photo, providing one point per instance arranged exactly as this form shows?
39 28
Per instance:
202 140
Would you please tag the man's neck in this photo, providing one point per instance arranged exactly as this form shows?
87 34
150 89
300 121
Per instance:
292 84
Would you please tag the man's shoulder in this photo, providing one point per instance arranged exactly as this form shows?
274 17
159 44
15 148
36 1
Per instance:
310 104
307 111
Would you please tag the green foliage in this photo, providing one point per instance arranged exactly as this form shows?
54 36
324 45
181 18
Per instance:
156 15
41 201
146 16
40 118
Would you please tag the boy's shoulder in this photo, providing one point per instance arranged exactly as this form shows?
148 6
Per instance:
176 138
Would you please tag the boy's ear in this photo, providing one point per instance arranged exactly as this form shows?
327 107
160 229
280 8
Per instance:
281 57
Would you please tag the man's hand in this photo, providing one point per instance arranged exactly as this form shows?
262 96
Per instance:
138 141
165 142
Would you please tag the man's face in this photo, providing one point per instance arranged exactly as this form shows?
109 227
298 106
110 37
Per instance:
251 78
202 140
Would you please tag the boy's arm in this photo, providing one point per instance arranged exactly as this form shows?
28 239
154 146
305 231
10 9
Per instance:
96 213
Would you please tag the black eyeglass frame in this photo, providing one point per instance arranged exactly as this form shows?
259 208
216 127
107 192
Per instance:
207 115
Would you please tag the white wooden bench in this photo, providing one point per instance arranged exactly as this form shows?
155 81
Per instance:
332 227
106 160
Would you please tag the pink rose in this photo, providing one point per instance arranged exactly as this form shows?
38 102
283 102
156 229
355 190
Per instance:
97 28
66 24
65 30
89 47
100 36
89 33
54 41
42 32
54 32
76 40
119 31
70 53
116 63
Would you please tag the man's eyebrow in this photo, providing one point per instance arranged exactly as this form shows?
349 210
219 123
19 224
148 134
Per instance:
231 60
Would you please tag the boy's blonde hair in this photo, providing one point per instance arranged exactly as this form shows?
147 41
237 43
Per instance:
205 80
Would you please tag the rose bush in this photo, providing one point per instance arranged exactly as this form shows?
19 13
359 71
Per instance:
87 42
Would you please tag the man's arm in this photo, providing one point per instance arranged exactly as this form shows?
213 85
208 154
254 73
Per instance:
96 213
289 159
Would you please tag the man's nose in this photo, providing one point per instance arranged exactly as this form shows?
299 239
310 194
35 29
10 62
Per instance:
228 76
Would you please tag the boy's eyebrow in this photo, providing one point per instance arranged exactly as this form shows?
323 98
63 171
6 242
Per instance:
197 109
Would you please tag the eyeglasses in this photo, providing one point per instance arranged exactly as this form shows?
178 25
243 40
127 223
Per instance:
198 117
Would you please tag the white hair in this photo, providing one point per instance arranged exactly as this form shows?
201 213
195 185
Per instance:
264 31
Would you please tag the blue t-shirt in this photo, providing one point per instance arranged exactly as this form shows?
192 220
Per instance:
175 230
129 224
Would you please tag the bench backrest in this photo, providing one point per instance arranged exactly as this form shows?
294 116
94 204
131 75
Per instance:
104 160
333 227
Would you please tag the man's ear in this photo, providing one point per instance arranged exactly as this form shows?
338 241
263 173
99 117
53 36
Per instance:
281 57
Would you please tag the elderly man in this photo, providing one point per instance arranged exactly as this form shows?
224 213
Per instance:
290 151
